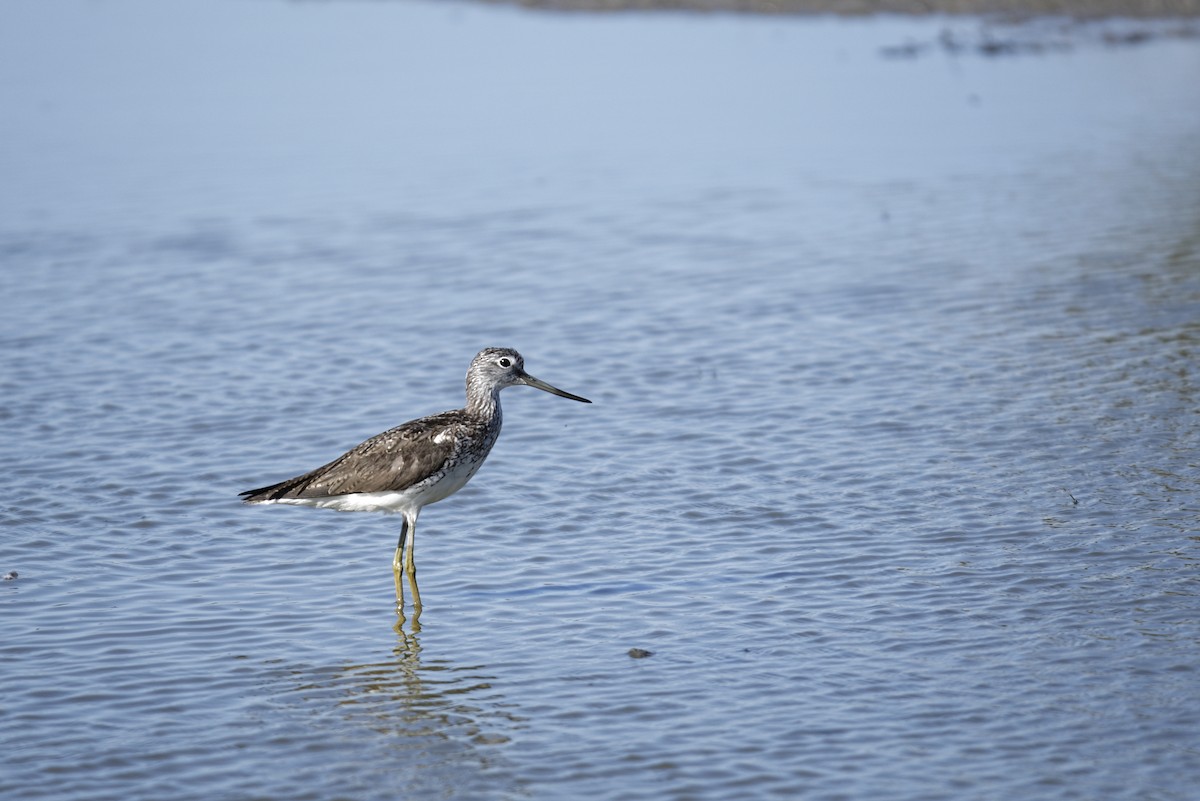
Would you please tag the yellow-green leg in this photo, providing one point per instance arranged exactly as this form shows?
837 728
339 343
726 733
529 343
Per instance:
403 560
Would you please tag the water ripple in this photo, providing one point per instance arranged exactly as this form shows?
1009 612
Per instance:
890 467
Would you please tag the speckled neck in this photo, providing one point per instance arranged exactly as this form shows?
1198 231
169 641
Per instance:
483 397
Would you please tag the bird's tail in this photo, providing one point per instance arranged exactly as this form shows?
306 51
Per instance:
271 493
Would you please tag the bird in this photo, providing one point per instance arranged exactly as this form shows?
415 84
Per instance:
423 461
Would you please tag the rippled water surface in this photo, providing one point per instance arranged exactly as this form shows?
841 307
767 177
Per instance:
892 463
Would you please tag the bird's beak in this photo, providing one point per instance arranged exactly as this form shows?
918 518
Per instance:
529 380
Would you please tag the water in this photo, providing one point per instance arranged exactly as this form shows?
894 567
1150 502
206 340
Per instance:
892 460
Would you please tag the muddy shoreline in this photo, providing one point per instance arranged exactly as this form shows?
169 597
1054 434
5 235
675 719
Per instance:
1081 9
988 28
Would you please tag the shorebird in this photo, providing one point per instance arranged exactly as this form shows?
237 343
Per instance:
417 463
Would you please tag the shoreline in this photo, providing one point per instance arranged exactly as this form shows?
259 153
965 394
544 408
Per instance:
995 28
1011 9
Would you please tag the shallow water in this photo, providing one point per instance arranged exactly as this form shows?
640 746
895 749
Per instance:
891 465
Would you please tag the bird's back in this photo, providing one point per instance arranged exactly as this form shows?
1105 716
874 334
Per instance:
395 461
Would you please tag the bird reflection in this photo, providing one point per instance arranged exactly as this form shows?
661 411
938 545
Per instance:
441 711
414 625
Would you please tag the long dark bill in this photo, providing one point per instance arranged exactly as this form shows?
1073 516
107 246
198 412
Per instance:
542 385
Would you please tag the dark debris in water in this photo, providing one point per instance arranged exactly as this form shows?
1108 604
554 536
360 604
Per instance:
1041 36
640 653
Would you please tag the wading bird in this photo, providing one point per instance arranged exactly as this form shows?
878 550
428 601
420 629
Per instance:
417 463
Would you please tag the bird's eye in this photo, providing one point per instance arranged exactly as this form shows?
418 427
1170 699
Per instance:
504 361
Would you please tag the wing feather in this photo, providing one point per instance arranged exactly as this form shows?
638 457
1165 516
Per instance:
389 462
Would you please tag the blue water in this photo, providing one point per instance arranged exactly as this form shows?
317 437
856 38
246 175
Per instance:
892 461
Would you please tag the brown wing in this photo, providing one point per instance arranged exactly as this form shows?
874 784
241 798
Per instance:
389 462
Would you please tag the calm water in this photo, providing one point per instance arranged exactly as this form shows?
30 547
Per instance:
892 462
